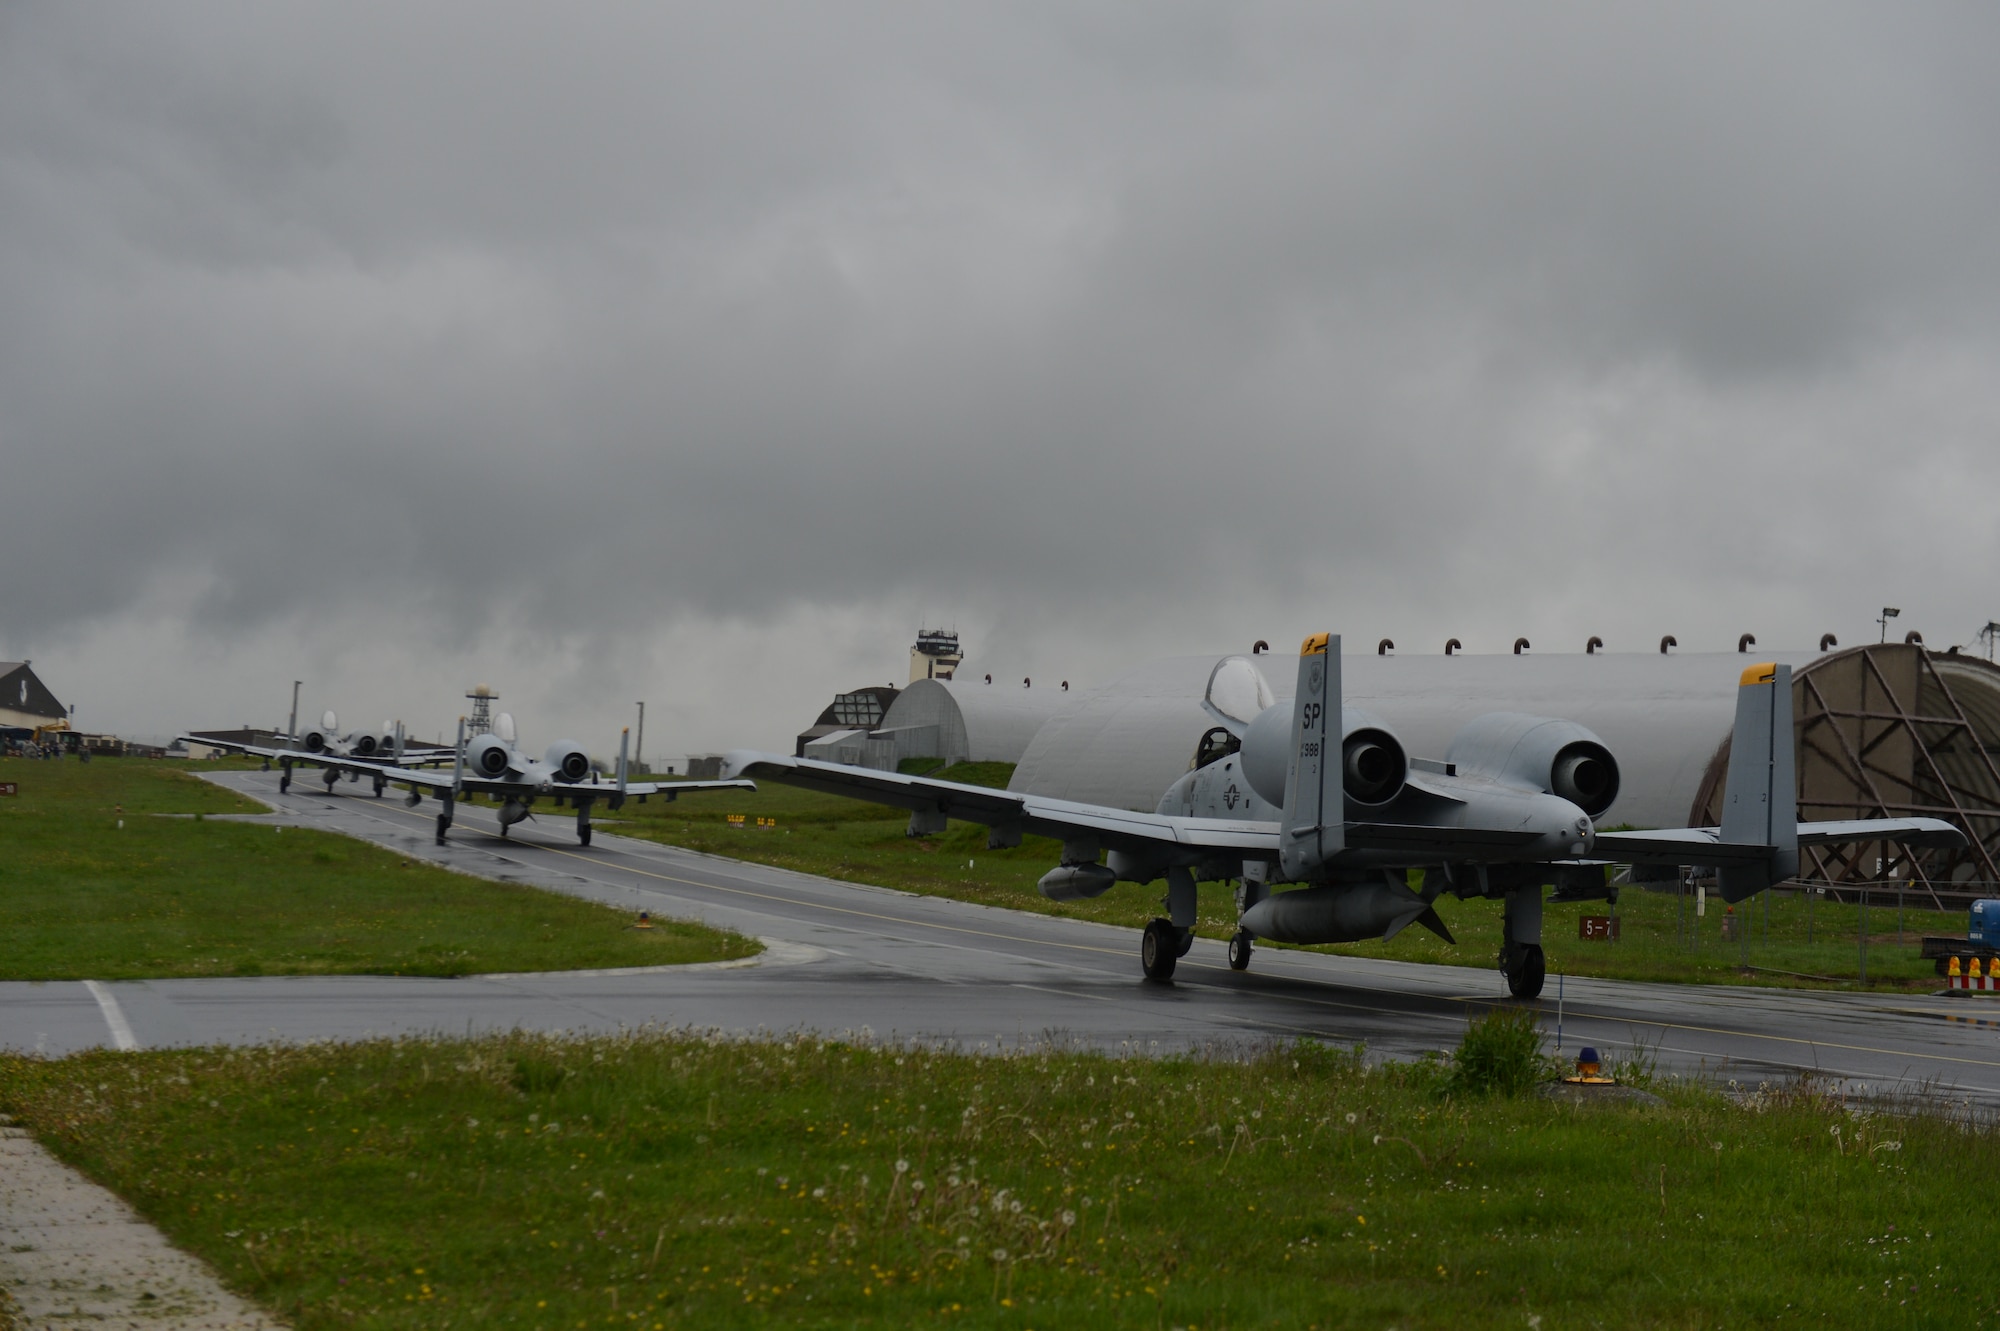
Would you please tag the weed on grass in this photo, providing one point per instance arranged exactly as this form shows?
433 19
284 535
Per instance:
659 1180
1501 1054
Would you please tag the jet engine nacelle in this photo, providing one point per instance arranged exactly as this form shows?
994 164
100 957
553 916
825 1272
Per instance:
488 756
1558 757
567 760
321 737
366 744
1372 763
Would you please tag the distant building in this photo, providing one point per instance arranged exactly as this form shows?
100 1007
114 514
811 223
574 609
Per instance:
244 734
861 710
25 702
935 655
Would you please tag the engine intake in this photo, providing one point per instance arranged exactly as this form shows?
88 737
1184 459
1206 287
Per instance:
487 756
1373 766
1561 758
568 760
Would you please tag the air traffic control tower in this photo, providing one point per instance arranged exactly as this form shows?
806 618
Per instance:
936 654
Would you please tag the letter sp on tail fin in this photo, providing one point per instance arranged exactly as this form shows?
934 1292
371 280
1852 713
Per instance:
1315 818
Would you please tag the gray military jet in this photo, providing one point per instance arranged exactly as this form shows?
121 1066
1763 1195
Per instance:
493 764
366 751
1284 798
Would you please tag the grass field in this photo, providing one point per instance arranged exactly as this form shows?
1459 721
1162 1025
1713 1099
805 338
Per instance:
656 1181
1791 941
173 892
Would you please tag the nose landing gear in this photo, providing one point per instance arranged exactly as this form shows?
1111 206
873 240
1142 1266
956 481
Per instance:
1239 950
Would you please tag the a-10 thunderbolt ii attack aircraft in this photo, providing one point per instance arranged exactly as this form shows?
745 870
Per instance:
371 750
1346 814
492 764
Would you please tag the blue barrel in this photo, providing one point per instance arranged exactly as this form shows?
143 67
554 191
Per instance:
1985 925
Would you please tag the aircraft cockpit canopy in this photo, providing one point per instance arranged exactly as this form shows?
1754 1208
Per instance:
1216 744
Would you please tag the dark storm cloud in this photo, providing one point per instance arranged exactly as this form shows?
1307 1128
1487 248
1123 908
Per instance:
475 320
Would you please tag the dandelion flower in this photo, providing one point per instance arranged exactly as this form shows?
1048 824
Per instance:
902 1166
999 1254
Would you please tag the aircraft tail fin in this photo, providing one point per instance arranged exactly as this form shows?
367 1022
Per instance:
1760 803
458 761
1315 822
624 744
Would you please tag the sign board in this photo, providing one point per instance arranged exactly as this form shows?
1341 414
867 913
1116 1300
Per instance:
9 788
1601 928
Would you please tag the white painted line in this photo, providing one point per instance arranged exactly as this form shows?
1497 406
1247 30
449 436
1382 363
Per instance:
114 1016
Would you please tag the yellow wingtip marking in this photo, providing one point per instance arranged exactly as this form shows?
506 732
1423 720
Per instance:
1315 645
1760 674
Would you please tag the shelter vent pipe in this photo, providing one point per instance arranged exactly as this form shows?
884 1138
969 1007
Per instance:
1746 642
1827 641
1668 641
1520 645
1590 648
1384 647
1452 645
1914 637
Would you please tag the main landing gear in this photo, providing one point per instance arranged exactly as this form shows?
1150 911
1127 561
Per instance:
1163 944
1167 941
1521 959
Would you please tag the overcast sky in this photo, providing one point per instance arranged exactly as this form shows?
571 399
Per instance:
700 354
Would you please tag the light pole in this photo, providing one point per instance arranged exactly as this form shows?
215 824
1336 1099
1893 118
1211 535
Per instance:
292 726
1889 612
639 744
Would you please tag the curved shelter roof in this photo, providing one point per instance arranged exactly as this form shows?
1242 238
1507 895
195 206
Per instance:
1884 730
1662 716
978 723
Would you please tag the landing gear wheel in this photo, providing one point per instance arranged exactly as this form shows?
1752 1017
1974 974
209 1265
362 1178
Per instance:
1187 942
1526 971
1239 951
444 821
584 836
1159 949
503 829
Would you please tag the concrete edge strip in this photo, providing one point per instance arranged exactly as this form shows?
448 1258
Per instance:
777 952
114 1017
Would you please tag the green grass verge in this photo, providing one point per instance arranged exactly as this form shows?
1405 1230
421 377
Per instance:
83 898
1792 942
658 1181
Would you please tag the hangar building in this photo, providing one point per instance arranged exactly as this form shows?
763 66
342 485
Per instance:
25 702
1883 730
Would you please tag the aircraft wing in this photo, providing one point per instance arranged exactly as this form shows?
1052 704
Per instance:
481 785
422 753
1034 815
1705 846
